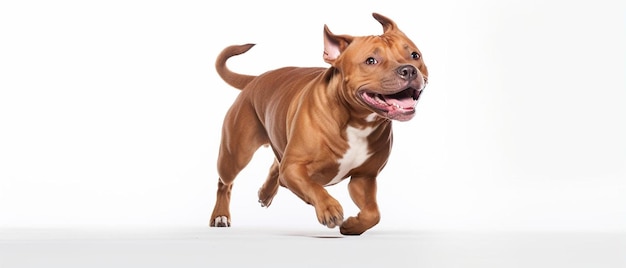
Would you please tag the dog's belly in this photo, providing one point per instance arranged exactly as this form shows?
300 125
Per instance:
357 153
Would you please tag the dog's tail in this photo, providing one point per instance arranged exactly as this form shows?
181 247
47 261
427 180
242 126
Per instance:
234 79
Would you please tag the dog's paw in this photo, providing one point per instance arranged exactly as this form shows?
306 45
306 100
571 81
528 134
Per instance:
220 221
352 226
330 213
265 203
360 224
265 197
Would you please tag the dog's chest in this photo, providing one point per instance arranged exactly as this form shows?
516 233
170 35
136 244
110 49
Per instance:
357 153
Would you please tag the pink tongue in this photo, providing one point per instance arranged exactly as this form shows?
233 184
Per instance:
404 103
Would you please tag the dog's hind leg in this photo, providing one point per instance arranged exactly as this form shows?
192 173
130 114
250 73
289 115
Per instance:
270 187
242 135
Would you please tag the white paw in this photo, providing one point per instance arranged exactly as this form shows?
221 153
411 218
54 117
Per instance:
222 221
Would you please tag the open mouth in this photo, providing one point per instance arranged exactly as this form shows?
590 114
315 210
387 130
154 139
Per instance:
400 105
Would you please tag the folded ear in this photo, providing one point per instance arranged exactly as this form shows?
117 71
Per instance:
388 24
334 45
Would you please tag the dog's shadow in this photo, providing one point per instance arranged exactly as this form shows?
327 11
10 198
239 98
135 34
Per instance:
325 236
316 236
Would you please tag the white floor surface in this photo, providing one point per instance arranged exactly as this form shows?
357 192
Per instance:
247 247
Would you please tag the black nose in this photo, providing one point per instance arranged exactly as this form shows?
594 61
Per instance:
407 72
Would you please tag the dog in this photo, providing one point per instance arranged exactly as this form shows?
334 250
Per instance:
324 125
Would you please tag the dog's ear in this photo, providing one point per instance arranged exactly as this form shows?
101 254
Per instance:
388 24
334 45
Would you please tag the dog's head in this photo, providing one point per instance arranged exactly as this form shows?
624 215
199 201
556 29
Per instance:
384 74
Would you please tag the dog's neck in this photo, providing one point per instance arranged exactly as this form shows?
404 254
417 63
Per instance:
355 114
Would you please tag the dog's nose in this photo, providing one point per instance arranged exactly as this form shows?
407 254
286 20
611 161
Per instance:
407 72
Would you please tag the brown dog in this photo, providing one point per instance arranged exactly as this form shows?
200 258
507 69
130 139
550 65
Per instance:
324 125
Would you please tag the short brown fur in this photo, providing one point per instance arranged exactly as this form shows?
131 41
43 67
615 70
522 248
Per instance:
309 115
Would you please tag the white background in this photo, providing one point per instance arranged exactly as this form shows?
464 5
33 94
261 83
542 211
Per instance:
110 112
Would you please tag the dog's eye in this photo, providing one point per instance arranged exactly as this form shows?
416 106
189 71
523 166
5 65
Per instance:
371 61
415 55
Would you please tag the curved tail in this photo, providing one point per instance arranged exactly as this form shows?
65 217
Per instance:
234 79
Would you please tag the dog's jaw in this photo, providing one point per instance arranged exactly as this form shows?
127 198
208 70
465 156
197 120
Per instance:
398 106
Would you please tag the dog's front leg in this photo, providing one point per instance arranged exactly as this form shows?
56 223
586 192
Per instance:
363 192
295 177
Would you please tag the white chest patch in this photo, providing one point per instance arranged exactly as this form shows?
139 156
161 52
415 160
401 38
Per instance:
356 154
